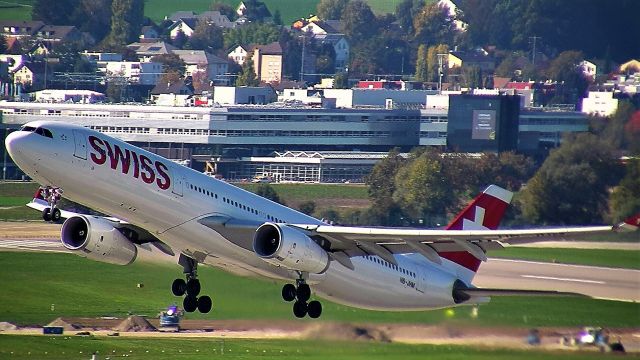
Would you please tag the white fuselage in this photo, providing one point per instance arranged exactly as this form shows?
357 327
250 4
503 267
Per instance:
171 215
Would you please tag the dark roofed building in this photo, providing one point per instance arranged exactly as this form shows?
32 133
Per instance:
20 28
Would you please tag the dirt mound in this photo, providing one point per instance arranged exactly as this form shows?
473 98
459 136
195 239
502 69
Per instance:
135 324
331 331
65 324
4 326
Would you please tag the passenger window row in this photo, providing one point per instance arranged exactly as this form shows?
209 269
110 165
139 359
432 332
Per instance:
234 203
397 268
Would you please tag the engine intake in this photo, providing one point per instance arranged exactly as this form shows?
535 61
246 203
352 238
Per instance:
96 239
284 246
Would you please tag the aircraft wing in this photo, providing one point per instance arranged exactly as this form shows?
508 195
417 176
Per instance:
387 241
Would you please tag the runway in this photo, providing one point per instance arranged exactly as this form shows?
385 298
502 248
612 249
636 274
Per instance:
598 282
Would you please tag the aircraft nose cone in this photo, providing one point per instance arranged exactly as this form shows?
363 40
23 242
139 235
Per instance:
13 142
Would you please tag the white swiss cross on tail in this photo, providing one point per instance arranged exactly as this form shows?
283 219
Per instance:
483 213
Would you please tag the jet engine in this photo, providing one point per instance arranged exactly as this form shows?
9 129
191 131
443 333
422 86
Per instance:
284 246
96 239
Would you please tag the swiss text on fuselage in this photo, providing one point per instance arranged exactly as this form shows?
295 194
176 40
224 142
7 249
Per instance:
139 166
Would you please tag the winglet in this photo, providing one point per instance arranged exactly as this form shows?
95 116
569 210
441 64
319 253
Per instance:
630 224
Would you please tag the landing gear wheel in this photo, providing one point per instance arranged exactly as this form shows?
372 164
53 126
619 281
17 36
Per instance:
193 287
46 214
190 303
303 293
178 287
289 292
204 304
56 215
314 309
300 309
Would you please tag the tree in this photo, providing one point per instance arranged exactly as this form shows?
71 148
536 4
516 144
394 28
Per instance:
432 25
307 207
54 12
566 69
171 64
180 40
3 44
94 17
624 200
381 181
325 59
277 17
331 9
472 76
572 184
421 189
248 76
253 33
126 21
224 9
358 21
433 65
268 192
405 11
341 81
615 131
421 64
207 37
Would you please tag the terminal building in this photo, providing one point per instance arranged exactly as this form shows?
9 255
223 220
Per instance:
315 144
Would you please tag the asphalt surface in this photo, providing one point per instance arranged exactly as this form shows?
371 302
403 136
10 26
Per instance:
598 282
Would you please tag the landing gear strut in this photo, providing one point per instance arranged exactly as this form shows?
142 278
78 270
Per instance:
301 293
190 287
52 195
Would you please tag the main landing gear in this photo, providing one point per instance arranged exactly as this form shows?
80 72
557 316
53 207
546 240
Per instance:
190 287
301 294
52 195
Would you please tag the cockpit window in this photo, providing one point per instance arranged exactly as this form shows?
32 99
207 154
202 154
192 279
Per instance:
40 131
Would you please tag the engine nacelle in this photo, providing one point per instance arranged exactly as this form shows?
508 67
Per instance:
96 239
282 245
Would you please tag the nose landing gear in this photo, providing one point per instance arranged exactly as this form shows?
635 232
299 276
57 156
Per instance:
301 293
190 287
52 195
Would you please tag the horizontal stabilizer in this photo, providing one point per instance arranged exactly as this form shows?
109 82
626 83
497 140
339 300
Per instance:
479 292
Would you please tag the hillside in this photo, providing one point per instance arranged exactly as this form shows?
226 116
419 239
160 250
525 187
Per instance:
158 9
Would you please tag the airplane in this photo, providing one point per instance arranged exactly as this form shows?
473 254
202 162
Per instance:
154 202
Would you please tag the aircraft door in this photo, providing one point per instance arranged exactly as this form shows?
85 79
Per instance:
80 141
178 180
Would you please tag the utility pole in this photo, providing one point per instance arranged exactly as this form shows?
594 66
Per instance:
441 58
533 56
302 61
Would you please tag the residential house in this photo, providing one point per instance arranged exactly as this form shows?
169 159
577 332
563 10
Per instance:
253 10
180 15
148 34
454 14
199 61
14 61
146 51
239 54
186 25
319 27
216 18
589 69
340 47
600 103
135 72
19 28
267 62
471 58
64 34
172 94
32 74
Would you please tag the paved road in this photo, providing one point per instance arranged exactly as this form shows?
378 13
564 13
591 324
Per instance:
600 282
